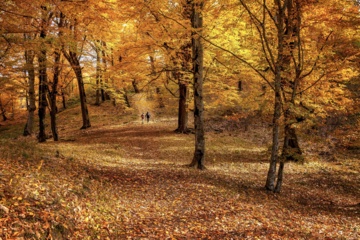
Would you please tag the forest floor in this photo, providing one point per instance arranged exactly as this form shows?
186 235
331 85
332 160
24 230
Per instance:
121 179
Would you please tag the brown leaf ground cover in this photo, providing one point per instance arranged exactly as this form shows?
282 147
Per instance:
121 179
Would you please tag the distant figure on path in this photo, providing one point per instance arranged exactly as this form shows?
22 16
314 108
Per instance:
147 116
142 118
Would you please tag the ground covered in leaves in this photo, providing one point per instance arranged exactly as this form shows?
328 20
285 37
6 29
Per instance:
121 179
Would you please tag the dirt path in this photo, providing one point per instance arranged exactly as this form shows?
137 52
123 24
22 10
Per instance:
129 181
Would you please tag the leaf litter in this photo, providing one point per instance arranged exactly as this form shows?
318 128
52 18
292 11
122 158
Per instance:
131 182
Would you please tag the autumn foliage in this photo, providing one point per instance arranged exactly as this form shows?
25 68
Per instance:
231 86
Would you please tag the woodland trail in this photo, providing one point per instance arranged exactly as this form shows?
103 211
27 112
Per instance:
130 181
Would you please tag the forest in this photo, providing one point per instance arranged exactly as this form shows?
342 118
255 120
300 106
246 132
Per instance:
252 132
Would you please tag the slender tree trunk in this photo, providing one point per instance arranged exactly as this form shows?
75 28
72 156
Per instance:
279 178
84 109
126 99
31 106
72 58
198 54
53 95
105 94
182 111
98 77
271 176
63 98
43 87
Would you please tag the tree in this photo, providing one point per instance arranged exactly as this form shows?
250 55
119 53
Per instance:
43 78
197 56
31 102
71 54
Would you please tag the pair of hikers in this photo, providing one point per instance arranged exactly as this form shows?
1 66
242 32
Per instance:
147 116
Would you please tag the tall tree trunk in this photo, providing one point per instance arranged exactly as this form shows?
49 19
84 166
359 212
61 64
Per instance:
98 76
84 109
184 55
72 58
43 87
105 94
198 55
75 64
53 95
31 105
271 176
291 148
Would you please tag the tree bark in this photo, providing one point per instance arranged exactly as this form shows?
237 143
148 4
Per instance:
291 148
31 106
72 58
84 109
98 76
53 95
198 55
43 87
271 176
279 178
182 111
184 55
75 64
63 98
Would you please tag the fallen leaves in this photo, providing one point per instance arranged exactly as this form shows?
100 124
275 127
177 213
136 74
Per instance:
130 182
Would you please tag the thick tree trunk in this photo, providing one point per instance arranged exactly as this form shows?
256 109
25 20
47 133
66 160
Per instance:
198 54
182 111
31 106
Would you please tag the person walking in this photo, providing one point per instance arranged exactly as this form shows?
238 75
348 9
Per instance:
147 115
142 118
